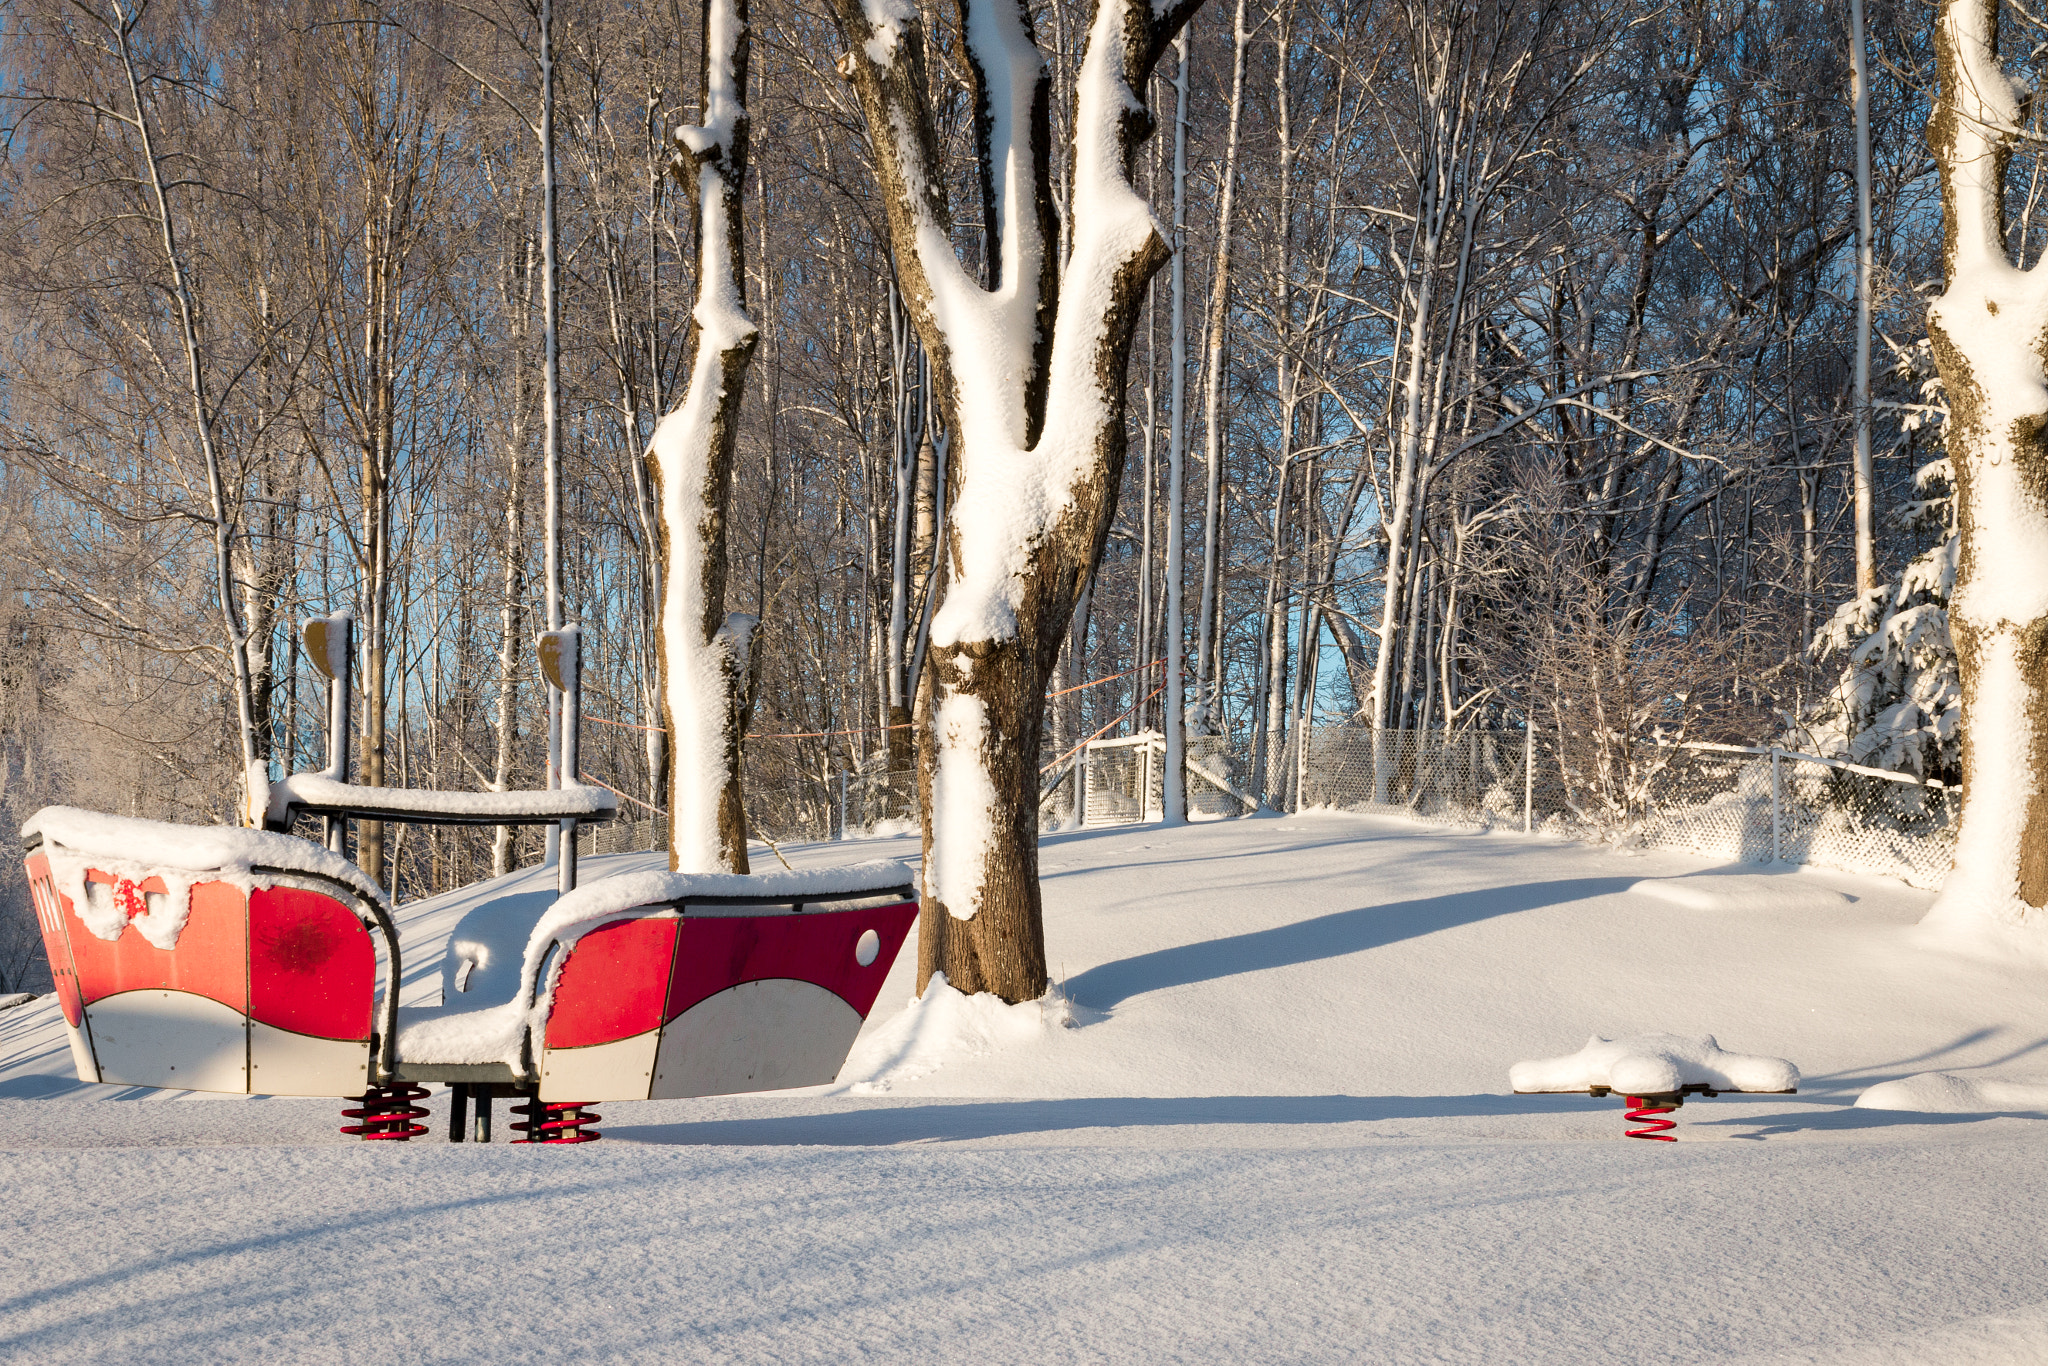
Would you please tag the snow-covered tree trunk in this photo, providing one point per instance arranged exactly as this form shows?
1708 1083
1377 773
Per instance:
690 459
907 446
1029 370
1990 333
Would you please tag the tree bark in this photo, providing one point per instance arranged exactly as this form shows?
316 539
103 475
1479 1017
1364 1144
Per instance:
1029 371
1989 340
690 463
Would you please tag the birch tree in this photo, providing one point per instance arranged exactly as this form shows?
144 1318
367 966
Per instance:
119 23
703 651
1028 366
1860 472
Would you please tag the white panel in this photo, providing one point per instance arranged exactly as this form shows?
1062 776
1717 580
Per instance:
170 1038
757 1036
282 1063
81 1053
619 1070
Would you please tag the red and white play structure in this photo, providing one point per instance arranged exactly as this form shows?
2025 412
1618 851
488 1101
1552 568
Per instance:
256 962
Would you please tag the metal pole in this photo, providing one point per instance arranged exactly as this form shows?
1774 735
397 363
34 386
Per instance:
1777 805
572 748
340 703
1529 777
1084 781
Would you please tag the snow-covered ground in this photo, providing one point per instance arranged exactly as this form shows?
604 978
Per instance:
1264 1119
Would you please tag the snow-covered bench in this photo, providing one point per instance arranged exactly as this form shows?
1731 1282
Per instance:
660 985
213 958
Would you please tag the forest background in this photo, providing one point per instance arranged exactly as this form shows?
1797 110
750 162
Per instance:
1519 379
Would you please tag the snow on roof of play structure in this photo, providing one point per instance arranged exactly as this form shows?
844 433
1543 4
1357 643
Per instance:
131 842
1944 1093
1654 1064
317 789
137 850
493 1033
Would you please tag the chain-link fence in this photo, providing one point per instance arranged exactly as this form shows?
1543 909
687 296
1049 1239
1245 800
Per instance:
882 801
1120 781
621 837
1742 803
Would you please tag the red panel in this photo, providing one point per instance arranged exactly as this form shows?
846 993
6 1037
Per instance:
717 952
613 984
42 889
211 959
312 967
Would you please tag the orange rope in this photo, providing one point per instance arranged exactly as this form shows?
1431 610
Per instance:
627 795
1098 734
622 725
1155 664
814 734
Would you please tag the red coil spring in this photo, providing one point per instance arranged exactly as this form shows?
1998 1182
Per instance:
560 1121
1644 1110
387 1112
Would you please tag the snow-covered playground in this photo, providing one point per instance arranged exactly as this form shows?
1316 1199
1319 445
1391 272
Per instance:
1263 1117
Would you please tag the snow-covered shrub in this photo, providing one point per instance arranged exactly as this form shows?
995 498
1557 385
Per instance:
1897 702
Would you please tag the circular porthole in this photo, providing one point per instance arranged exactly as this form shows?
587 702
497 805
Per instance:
868 949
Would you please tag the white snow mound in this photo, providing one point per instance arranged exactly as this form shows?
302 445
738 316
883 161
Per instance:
945 1025
1944 1093
1654 1064
1743 892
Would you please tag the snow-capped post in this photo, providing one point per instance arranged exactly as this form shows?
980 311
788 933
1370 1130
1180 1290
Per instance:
1990 332
690 462
561 663
1029 369
331 645
1529 776
1777 808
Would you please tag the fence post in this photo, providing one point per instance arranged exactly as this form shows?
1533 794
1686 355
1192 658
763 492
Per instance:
842 804
1082 778
1777 806
1144 782
1529 776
